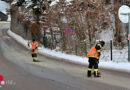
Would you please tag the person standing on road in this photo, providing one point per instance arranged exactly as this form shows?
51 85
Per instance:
34 49
93 56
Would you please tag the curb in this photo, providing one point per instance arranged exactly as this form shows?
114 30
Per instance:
68 61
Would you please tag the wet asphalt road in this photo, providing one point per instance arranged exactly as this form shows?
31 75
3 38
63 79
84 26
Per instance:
17 67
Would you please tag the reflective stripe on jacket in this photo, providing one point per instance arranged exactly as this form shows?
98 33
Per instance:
93 53
34 44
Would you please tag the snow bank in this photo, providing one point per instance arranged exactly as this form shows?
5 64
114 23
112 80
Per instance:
107 35
73 58
18 38
124 66
43 50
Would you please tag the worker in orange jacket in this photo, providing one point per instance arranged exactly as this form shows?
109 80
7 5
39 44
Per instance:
34 49
93 56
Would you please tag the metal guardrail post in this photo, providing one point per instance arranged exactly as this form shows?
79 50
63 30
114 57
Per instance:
111 49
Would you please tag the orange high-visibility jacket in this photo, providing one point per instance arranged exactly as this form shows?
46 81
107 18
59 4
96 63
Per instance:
93 53
34 44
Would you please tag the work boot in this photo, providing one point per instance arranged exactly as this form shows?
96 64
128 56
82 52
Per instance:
36 60
89 74
96 74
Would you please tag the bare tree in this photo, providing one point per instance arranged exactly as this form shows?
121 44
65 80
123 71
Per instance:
118 35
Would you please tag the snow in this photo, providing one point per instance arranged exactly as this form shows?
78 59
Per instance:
117 66
14 2
9 18
118 63
68 0
4 6
28 4
36 7
18 38
63 55
28 0
107 35
64 19
54 2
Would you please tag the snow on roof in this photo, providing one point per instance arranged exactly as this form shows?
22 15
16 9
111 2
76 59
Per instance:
4 6
54 2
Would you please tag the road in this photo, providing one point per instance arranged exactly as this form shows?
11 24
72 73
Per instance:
16 65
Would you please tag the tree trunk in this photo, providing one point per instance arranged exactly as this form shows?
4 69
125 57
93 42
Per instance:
118 36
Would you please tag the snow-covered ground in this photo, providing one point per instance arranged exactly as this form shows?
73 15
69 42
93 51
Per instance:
3 7
119 62
54 2
119 56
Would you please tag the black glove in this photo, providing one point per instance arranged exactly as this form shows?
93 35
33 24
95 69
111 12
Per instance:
97 60
28 45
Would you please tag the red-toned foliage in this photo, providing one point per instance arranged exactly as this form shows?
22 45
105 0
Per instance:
34 28
26 23
21 18
13 8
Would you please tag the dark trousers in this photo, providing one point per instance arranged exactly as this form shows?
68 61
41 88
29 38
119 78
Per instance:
34 56
93 63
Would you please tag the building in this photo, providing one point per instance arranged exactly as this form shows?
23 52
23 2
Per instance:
3 17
